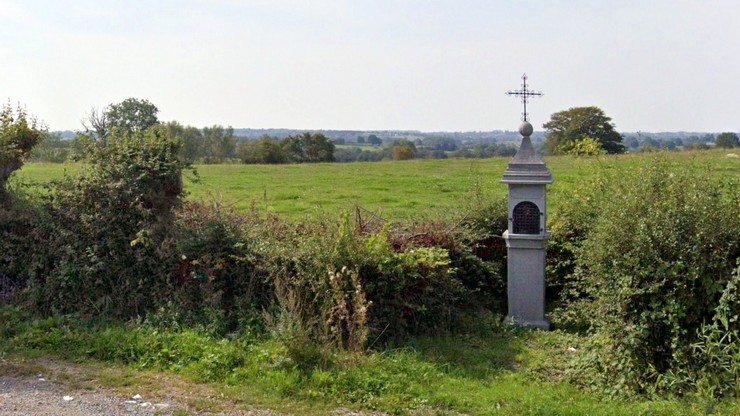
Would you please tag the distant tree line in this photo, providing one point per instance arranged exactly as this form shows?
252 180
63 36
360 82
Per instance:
214 144
426 148
646 142
303 148
577 130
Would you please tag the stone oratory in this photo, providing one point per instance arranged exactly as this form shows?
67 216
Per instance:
526 236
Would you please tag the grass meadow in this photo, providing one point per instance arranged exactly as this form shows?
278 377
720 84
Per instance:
394 190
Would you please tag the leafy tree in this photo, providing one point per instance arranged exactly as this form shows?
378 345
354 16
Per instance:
374 140
404 142
360 139
568 127
265 150
294 149
19 133
191 138
220 143
131 115
727 140
318 147
308 147
403 153
269 151
124 118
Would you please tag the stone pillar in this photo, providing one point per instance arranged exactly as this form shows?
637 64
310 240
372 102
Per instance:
526 236
526 280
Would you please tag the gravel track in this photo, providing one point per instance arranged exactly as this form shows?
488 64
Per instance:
38 397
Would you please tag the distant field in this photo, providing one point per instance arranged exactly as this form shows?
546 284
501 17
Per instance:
393 189
361 146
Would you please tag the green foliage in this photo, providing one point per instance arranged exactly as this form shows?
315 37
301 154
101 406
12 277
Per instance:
403 153
193 146
219 144
570 226
712 366
727 140
304 148
374 140
361 283
19 133
440 143
217 280
105 244
655 257
19 239
588 146
568 127
130 116
265 151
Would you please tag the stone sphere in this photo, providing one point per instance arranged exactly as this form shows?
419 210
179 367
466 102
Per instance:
526 129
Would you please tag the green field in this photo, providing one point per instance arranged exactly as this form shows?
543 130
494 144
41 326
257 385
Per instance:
395 190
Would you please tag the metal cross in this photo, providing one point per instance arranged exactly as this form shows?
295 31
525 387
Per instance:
524 93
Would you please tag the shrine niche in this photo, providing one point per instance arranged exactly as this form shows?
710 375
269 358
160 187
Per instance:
526 218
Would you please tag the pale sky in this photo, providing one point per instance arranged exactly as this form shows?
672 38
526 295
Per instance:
427 65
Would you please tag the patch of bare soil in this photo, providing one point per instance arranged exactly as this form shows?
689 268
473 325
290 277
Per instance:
47 386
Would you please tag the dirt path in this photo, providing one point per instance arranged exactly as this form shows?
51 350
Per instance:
36 396
50 387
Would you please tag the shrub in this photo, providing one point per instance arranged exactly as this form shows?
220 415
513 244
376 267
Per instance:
353 283
19 133
712 365
570 226
216 281
106 247
651 269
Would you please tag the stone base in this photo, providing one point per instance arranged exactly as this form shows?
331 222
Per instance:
543 325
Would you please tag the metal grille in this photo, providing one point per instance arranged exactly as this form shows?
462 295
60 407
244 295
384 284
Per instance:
526 218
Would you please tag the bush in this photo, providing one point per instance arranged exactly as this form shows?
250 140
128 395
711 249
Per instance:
354 283
217 280
105 246
19 133
712 366
650 271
